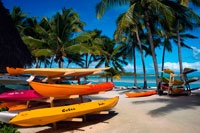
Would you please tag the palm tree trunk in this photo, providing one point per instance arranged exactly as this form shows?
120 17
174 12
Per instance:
59 63
86 60
68 64
51 61
179 50
40 63
141 53
147 25
163 60
62 64
134 64
89 61
45 62
37 62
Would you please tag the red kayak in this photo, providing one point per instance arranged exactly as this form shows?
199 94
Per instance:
141 94
19 95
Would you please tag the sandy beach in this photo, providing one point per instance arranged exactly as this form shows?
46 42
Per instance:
180 114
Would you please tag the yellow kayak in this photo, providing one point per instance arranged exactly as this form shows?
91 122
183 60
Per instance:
168 71
64 72
50 115
15 71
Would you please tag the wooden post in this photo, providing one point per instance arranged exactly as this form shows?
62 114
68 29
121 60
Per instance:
81 98
79 82
50 81
28 104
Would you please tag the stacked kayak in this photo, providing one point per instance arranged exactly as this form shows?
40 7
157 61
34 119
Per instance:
16 100
23 105
176 86
13 105
45 116
20 114
60 90
20 95
12 80
15 71
63 72
175 82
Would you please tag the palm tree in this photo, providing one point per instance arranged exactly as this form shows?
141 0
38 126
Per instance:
130 49
63 28
37 37
55 35
167 44
185 17
87 44
112 73
112 57
129 22
18 17
145 8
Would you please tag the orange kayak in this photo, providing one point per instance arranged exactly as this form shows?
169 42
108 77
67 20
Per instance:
59 90
15 71
141 94
13 105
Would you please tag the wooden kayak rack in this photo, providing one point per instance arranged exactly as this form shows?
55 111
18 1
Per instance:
172 82
50 100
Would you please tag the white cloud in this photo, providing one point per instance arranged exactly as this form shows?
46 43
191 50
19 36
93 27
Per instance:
139 69
129 68
175 66
196 52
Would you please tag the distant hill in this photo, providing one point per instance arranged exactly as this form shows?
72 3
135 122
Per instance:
132 74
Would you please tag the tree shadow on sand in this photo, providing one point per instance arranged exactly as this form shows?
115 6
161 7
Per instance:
173 104
76 126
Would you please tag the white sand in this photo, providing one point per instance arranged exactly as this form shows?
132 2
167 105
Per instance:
153 114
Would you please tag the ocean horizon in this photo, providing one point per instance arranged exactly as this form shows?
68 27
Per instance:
129 80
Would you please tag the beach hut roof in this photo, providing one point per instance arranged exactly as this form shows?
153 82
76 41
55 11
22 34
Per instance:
13 52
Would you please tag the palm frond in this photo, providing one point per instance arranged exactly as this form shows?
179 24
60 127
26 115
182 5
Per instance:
105 5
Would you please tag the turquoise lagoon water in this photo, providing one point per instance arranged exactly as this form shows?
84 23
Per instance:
129 81
124 81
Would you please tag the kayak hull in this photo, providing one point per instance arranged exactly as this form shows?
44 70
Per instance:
15 71
19 95
6 116
141 94
64 72
50 115
13 105
59 90
13 80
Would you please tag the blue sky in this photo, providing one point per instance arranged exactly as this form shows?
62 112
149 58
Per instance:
86 10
